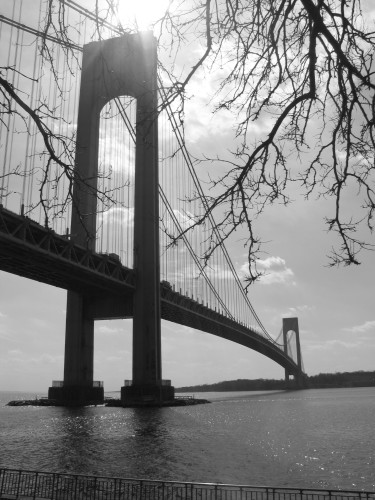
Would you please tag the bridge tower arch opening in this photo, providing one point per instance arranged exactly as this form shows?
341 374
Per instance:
116 171
122 66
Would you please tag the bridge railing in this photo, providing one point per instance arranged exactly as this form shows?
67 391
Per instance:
45 485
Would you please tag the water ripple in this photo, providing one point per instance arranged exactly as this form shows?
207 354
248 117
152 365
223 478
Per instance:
304 439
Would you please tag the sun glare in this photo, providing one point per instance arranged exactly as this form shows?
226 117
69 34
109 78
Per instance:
140 14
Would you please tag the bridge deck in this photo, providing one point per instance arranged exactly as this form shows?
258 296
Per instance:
38 253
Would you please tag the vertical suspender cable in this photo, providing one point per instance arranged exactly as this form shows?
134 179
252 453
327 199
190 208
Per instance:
11 119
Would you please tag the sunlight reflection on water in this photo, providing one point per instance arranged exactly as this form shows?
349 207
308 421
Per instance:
308 438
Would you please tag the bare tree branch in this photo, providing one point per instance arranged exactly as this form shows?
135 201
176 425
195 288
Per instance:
307 64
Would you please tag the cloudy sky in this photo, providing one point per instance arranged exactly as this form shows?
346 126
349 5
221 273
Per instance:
335 306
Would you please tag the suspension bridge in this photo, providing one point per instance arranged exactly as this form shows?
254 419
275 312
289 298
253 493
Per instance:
99 196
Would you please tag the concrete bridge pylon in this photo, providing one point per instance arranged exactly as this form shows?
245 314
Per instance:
126 65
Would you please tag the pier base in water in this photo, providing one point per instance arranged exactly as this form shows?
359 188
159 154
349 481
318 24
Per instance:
76 395
146 395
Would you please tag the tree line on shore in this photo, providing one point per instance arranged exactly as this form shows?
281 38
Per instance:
320 381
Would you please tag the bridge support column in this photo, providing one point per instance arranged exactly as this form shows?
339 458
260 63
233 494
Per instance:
147 385
78 387
291 324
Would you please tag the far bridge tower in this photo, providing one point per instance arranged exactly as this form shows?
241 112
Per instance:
290 326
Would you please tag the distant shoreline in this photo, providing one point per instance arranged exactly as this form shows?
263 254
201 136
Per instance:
320 381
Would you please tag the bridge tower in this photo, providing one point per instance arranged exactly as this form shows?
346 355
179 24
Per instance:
291 324
119 66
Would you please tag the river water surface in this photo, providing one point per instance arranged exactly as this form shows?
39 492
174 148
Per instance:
311 438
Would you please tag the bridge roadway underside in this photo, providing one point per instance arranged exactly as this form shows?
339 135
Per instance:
32 251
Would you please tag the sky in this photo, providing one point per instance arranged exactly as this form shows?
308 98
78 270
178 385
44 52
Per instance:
335 306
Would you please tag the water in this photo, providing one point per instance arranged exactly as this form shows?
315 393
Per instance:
312 438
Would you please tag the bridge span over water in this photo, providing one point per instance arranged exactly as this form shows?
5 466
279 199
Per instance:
103 211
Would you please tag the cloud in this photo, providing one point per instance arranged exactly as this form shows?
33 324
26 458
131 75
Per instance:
365 327
184 220
39 323
116 147
107 330
114 359
115 158
63 128
202 124
369 12
15 356
5 335
12 357
218 272
104 358
46 358
298 309
274 271
118 215
331 344
205 115
190 276
15 352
